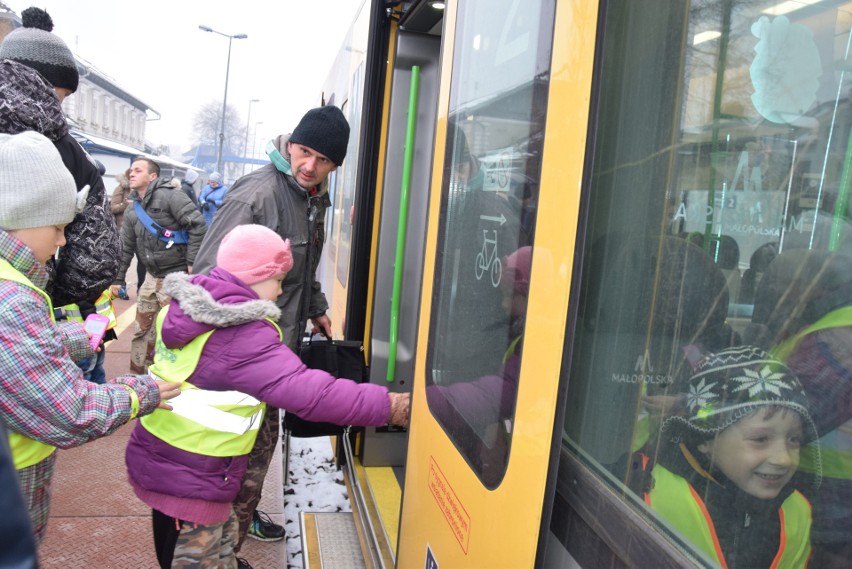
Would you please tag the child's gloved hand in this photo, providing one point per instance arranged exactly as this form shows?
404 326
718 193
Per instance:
399 409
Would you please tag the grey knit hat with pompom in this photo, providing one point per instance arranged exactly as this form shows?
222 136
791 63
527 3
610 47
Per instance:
34 46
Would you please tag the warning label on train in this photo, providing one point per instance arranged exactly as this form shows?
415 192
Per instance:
430 558
455 514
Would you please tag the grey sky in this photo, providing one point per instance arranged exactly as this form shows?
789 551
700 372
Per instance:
155 51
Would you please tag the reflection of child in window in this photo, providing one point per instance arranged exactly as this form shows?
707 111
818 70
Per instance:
723 480
484 406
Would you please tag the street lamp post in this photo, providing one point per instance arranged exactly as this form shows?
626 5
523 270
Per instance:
225 98
254 144
248 123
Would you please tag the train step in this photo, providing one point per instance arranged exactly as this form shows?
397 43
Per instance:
330 541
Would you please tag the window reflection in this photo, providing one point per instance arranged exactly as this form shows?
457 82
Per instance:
489 193
718 223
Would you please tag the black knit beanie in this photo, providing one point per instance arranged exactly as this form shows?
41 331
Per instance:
325 130
34 46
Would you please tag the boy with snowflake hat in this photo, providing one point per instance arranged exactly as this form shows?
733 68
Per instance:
725 476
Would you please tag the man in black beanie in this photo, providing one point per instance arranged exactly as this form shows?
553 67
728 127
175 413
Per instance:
289 196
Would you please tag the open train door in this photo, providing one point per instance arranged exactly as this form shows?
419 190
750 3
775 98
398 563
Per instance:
503 213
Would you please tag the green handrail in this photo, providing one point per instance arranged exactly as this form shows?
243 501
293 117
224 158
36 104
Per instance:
839 217
402 227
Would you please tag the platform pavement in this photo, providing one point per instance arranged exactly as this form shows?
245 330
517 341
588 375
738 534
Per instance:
97 522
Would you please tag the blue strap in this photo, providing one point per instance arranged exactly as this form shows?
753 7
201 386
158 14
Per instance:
179 236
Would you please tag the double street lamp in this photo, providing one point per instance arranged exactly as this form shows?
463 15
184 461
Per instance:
225 98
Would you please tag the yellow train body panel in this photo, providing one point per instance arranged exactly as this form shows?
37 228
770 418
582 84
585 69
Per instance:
445 506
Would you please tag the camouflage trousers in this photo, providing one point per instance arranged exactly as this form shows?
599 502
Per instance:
183 544
148 304
258 463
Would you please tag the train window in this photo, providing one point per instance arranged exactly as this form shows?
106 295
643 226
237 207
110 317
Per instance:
489 189
332 214
348 175
715 299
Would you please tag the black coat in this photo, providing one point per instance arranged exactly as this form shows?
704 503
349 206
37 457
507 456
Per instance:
189 191
89 261
17 544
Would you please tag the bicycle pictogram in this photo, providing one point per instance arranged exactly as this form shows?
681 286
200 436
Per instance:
487 259
504 163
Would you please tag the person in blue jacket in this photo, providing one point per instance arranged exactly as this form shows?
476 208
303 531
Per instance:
212 196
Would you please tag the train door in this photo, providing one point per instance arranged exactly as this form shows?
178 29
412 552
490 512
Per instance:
508 160
383 446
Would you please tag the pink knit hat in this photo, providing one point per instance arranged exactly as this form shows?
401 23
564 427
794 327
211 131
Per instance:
254 253
518 267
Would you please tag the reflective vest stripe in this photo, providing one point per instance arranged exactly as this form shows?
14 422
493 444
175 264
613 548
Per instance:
103 306
777 561
202 407
26 451
72 312
211 423
717 547
674 499
671 495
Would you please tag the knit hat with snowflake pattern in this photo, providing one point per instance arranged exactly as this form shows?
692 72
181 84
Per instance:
735 382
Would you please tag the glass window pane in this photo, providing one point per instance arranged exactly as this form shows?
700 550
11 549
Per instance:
489 190
717 276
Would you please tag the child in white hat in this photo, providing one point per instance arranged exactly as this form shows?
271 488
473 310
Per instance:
44 399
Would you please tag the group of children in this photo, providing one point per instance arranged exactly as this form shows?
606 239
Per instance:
219 360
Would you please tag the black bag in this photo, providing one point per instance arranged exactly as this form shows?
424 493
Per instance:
342 358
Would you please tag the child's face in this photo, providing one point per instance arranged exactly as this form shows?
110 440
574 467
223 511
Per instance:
758 453
43 241
270 289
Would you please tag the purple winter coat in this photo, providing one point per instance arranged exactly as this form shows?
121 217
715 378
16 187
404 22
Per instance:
244 354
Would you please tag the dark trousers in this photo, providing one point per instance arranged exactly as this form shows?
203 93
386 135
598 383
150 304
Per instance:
166 532
140 272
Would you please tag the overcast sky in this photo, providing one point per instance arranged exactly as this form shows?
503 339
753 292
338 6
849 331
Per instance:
155 51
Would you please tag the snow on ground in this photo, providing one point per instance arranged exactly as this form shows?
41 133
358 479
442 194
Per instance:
315 485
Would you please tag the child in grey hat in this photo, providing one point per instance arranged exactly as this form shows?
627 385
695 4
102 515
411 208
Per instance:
726 477
44 400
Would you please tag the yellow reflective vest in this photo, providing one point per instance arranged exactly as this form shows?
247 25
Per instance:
678 502
211 423
26 451
835 457
103 306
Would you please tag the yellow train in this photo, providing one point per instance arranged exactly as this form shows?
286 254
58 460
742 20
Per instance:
552 216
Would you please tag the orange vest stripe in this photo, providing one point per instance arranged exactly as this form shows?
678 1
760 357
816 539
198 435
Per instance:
711 526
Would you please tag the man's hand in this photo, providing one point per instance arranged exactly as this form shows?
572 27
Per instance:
113 290
322 323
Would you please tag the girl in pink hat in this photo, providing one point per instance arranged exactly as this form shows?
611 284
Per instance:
219 337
